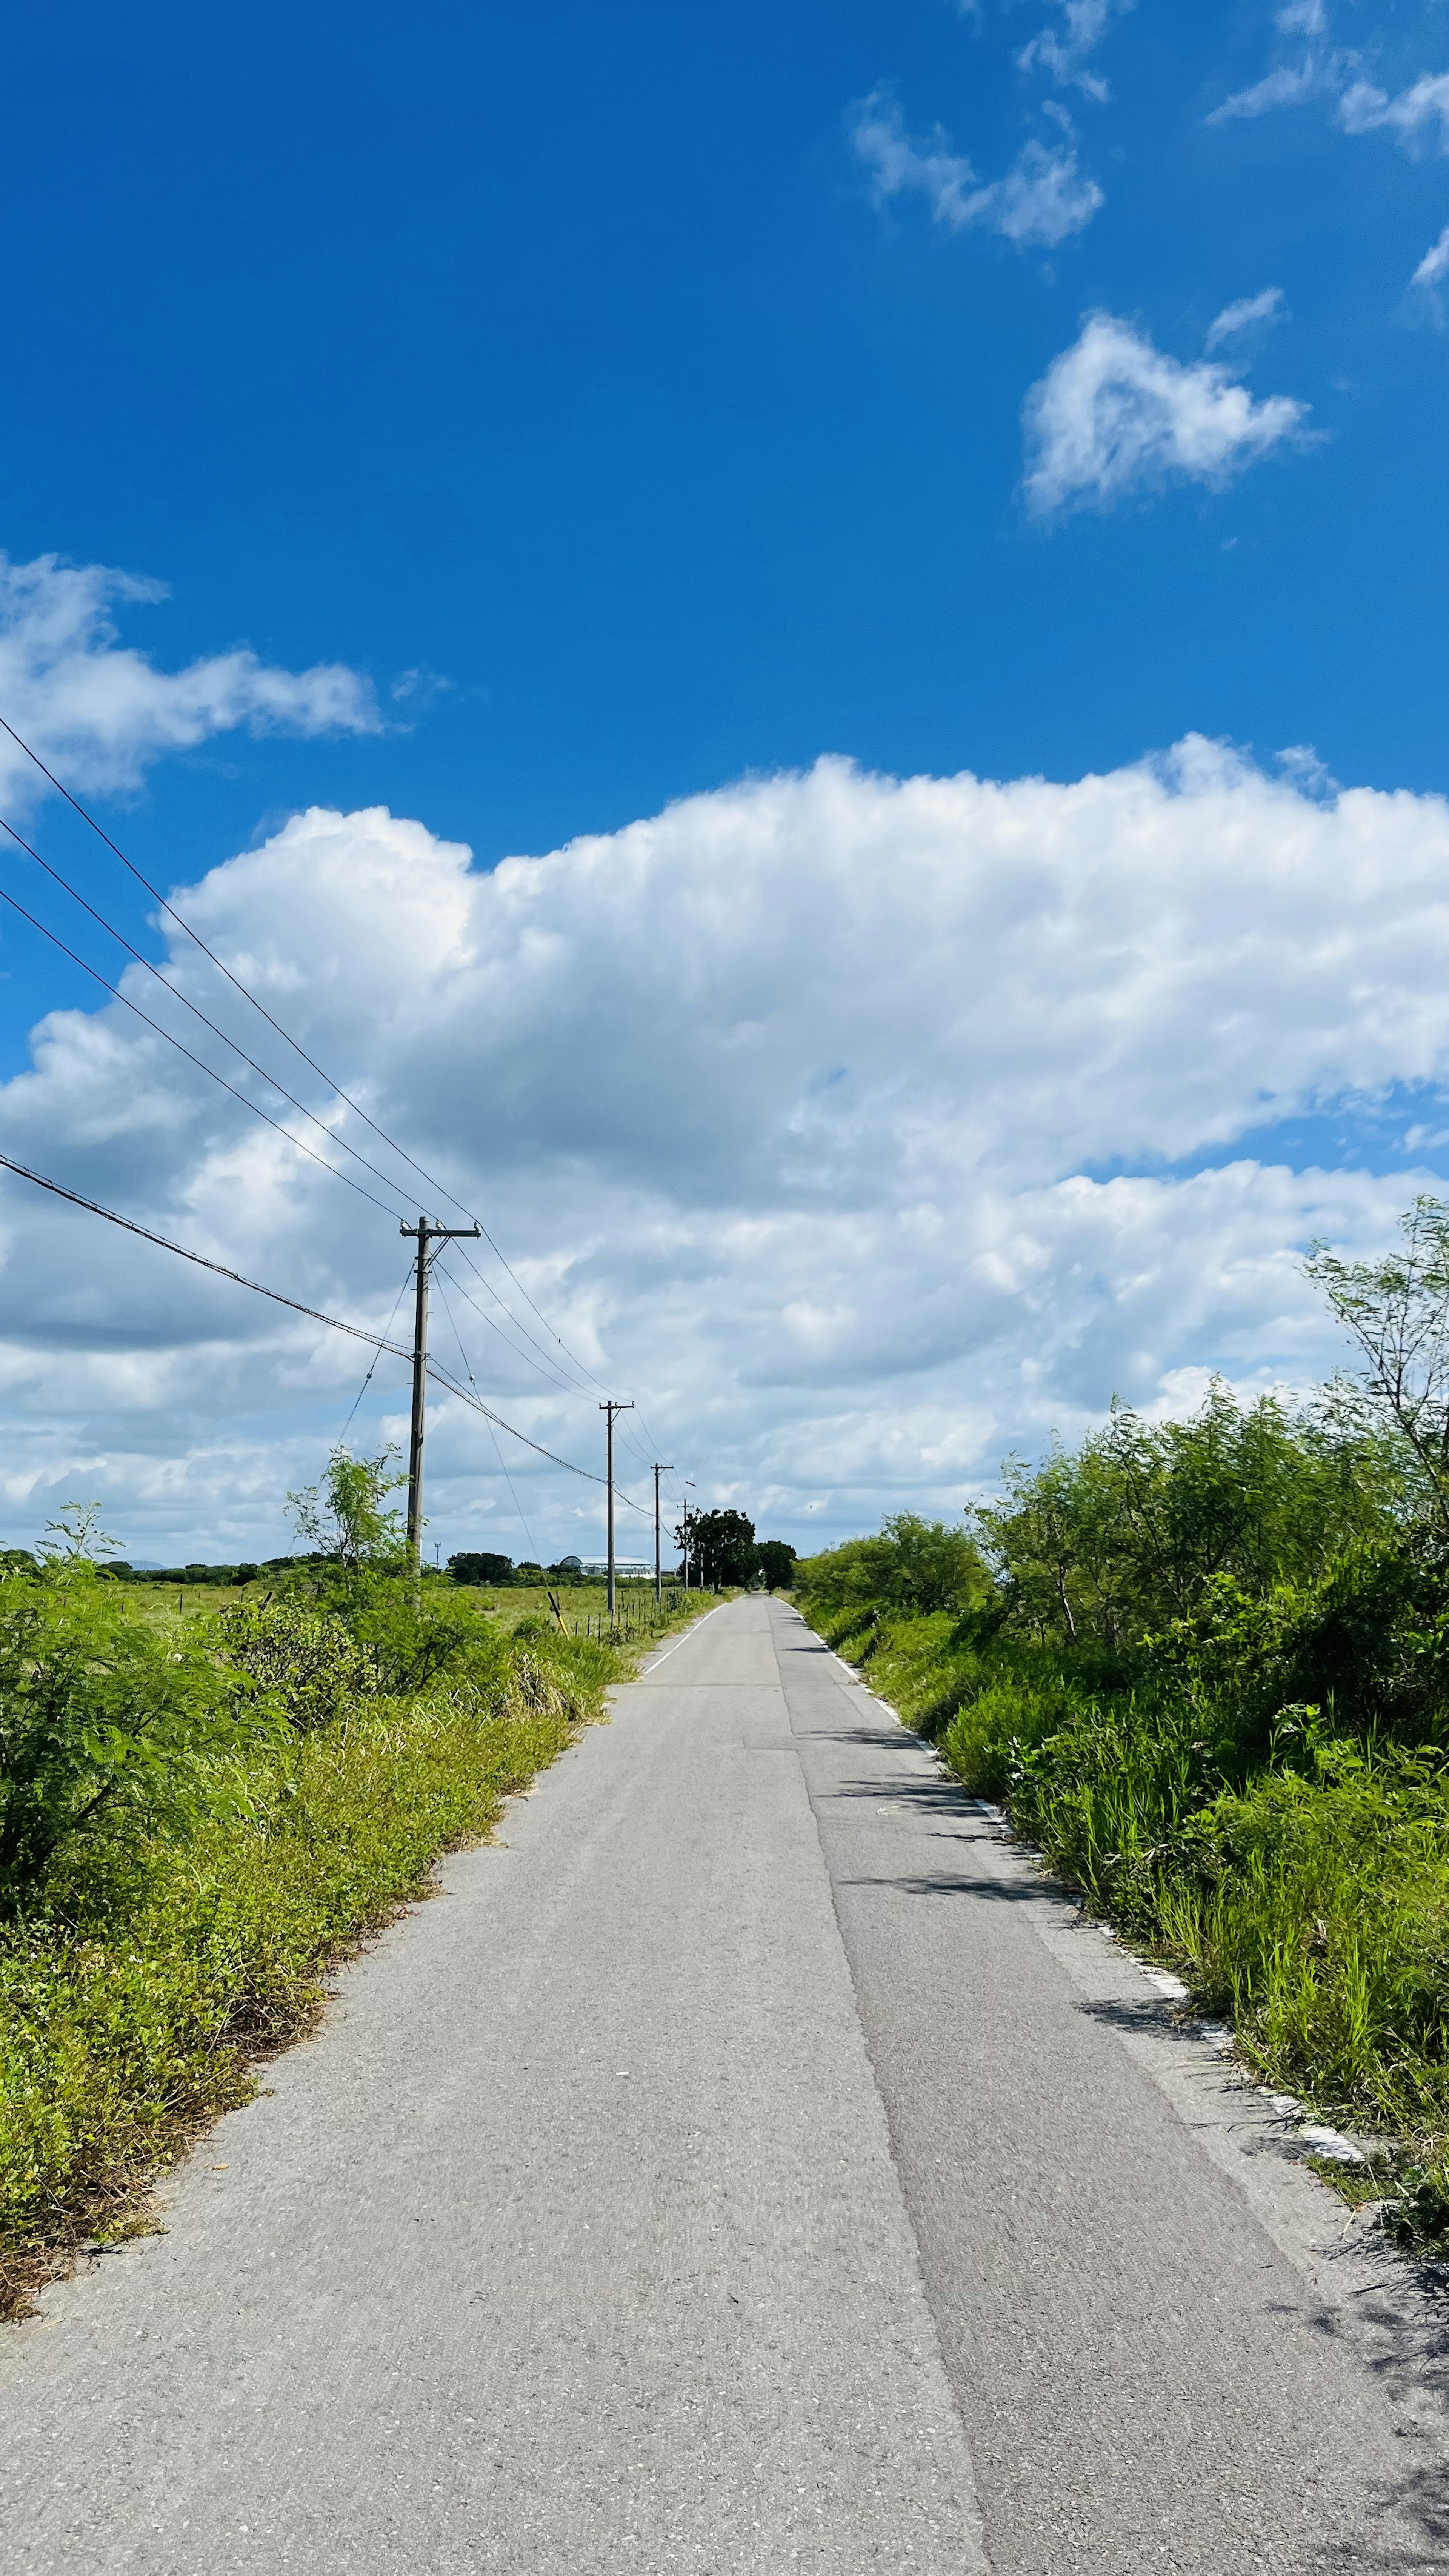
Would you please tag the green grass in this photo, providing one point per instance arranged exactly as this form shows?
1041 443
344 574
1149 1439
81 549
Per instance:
1307 1901
137 1996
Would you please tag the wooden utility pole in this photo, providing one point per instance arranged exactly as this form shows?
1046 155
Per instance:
611 1408
658 1573
425 1236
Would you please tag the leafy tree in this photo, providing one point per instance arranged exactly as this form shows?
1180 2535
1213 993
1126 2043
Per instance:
347 1515
1106 1544
913 1565
721 1548
775 1560
1397 1311
472 1567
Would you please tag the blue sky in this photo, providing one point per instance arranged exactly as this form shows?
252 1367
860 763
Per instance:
561 352
633 400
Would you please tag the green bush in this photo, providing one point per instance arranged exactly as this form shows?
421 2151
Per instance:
107 1726
304 1660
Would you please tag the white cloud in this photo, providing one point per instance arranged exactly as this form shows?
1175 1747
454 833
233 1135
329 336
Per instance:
1113 415
1319 69
1287 85
1242 316
1062 49
1419 115
851 1124
1429 276
1414 115
100 712
1042 199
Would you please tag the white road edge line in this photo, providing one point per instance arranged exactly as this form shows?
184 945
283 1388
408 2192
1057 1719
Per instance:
1330 2143
682 1641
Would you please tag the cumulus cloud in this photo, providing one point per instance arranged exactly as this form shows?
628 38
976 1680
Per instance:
1041 200
1242 316
100 712
1113 415
937 1116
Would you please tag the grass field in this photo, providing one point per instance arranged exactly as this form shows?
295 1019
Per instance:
584 1605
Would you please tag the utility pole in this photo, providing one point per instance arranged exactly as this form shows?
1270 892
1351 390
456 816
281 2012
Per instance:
611 1408
425 1235
689 1488
658 1573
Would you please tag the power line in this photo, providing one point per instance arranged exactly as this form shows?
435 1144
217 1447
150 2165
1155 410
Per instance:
531 1542
544 1364
124 998
175 992
314 1314
355 1106
371 1366
177 995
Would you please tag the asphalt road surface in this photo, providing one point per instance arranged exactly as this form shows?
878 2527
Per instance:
748 2165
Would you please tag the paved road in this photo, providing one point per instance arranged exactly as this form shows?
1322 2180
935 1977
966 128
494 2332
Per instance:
748 2167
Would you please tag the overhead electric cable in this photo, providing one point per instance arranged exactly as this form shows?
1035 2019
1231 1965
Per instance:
335 1087
177 995
372 1364
544 1364
492 1434
314 1314
118 996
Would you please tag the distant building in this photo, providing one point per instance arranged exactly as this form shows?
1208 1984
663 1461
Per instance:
631 1566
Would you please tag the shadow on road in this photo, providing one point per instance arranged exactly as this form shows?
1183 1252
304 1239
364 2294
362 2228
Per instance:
997 1891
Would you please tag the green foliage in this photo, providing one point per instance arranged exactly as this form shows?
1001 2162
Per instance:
411 1634
1108 1543
304 1660
775 1563
722 1551
105 1725
1398 1313
914 1564
347 1515
76 1537
472 1567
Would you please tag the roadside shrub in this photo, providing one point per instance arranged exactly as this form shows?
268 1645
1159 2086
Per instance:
107 1725
303 1659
